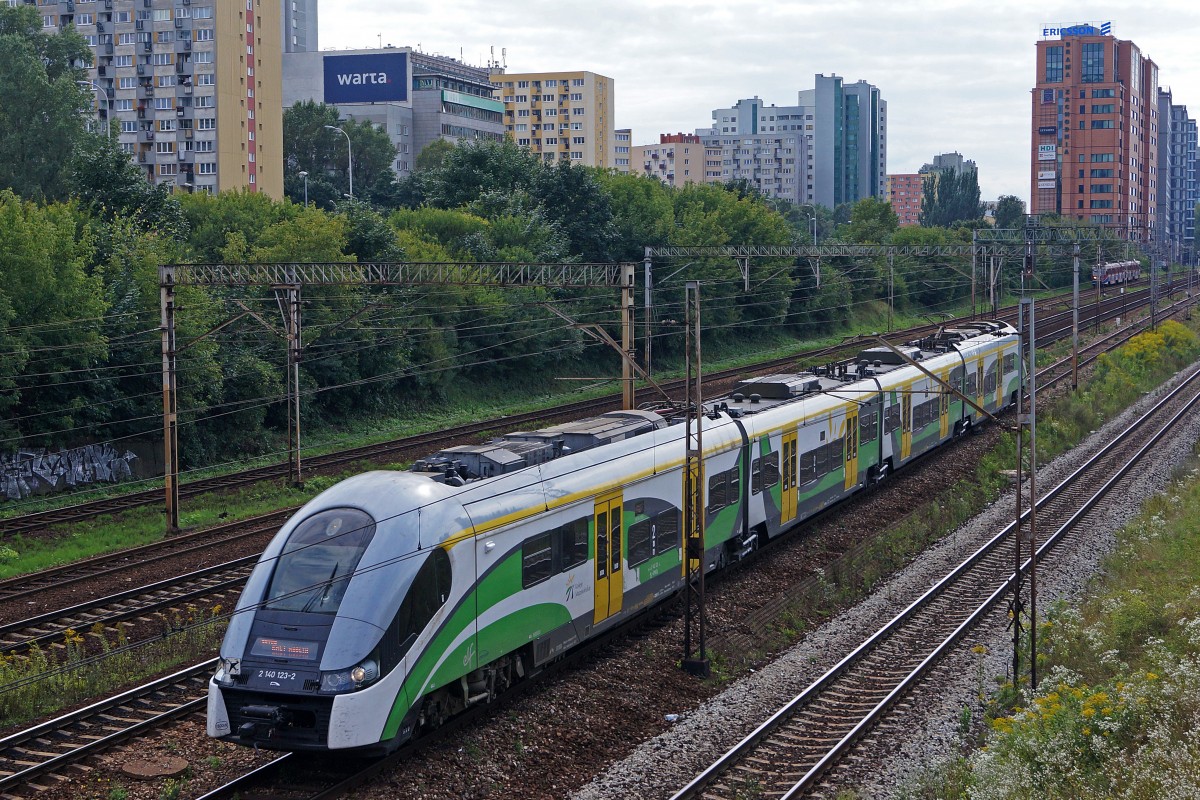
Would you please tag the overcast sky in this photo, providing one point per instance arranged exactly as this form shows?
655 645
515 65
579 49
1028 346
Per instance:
956 75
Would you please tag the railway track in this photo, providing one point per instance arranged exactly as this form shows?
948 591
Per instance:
147 596
150 603
29 758
422 443
792 752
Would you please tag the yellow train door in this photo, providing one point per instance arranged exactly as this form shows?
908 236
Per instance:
906 420
851 439
980 387
607 540
788 503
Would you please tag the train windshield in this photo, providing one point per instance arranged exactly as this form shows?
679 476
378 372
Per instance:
318 560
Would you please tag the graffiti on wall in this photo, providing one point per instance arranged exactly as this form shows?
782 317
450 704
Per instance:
30 472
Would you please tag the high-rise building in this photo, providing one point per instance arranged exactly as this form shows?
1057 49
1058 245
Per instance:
561 116
677 159
299 32
904 192
1095 129
417 98
836 135
954 162
194 87
1177 194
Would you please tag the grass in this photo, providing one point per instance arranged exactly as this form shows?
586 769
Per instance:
44 681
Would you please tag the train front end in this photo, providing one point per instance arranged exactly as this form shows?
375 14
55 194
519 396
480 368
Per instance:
315 656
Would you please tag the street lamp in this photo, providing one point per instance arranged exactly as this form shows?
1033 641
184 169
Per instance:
107 99
304 175
349 157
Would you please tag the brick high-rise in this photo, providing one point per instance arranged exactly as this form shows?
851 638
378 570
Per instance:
1095 131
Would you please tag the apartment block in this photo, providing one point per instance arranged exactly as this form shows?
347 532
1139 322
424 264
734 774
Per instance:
622 145
561 116
836 135
1095 131
193 86
677 159
416 97
952 162
1177 192
904 192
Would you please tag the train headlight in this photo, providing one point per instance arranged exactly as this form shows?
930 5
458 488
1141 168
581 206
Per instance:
365 672
346 680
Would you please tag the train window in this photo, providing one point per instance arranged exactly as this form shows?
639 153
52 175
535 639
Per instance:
665 531
572 544
1010 362
808 467
972 385
867 425
821 463
616 539
764 473
989 380
318 560
891 419
641 545
956 376
429 591
718 493
837 453
601 545
537 562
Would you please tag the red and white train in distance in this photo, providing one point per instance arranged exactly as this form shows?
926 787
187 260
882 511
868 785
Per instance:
1115 272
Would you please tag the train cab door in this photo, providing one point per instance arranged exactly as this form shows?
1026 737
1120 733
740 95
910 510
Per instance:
607 541
944 406
788 501
906 422
851 446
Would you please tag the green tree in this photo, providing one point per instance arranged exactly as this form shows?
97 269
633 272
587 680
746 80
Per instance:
309 146
433 154
1010 212
872 221
40 103
948 197
108 184
50 312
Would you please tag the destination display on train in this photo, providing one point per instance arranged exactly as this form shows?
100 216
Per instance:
285 648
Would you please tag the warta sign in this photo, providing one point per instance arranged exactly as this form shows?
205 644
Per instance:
1051 30
372 78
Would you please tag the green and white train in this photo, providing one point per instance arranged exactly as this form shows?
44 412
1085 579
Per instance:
394 600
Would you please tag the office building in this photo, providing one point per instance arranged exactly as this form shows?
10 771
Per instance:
193 88
299 20
561 116
1094 130
417 98
677 159
1177 194
836 135
904 192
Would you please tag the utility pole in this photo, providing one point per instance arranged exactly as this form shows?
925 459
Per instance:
647 292
693 494
170 401
628 346
1075 319
288 298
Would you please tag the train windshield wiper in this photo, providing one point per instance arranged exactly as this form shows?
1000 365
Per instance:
324 595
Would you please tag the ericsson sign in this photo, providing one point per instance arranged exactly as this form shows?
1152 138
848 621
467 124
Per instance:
374 78
1057 30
